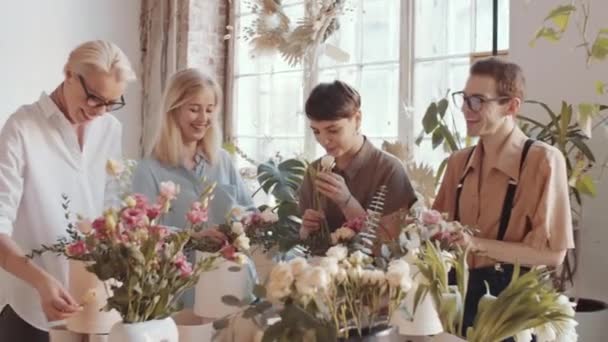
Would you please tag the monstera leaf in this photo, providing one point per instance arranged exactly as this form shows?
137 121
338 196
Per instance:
282 180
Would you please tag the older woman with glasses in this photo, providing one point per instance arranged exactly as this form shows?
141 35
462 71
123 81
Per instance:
55 146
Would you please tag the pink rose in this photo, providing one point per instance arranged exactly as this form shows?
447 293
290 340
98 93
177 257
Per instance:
228 252
76 249
196 206
356 224
153 211
168 190
183 266
430 217
141 201
133 217
197 216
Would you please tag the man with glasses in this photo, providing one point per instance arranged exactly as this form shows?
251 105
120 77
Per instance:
58 146
512 189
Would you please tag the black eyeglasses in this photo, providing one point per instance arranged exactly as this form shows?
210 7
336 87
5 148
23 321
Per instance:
475 102
96 102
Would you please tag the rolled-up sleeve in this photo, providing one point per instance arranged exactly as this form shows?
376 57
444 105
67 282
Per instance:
12 166
552 220
444 201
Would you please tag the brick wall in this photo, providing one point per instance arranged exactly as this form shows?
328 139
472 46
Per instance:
207 48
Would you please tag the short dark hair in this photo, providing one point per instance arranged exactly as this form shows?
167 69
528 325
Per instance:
509 77
332 101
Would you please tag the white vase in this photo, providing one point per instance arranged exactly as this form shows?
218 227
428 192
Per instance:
222 281
425 321
193 328
91 293
447 338
162 330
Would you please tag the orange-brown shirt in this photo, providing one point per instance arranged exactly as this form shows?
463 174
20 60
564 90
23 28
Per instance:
540 217
368 171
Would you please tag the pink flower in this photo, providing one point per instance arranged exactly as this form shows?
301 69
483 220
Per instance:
197 216
76 249
184 267
430 217
168 190
160 231
153 211
133 217
141 201
356 224
228 252
196 206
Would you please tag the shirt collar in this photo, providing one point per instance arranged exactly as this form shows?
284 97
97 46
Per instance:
48 107
360 158
509 155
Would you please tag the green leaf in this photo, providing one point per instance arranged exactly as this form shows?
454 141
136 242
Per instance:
580 144
420 138
442 107
560 16
600 87
441 170
449 138
437 138
586 185
229 147
429 121
283 180
599 49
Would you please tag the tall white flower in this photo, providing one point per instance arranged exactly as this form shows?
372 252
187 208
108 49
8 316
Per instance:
311 280
242 243
339 252
298 265
237 228
523 336
330 264
358 258
279 281
545 333
327 163
398 275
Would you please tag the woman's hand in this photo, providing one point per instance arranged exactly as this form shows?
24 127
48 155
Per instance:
57 303
333 187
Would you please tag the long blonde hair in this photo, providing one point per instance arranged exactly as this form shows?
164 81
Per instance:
182 87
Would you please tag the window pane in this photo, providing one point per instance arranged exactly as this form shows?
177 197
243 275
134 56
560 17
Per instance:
349 75
430 27
483 38
431 83
285 115
380 100
425 154
251 99
345 39
380 30
459 14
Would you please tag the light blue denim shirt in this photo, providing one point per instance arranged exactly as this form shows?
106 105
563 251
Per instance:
230 191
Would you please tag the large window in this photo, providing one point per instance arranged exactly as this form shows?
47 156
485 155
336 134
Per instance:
403 54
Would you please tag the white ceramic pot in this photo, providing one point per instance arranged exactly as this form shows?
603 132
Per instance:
425 321
219 282
447 338
91 293
163 330
193 328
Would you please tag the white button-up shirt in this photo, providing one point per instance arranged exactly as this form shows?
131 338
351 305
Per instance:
41 160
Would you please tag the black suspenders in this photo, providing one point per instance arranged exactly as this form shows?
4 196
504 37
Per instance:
507 206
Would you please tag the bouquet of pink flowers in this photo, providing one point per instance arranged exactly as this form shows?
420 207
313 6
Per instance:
143 261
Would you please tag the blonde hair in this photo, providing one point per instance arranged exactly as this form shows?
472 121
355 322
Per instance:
100 55
182 87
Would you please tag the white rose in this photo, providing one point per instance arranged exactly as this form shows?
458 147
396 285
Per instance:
330 264
268 216
342 234
242 243
341 276
237 228
114 167
240 258
567 305
545 333
327 163
358 258
523 336
339 252
379 278
279 281
298 265
367 277
354 274
313 279
398 275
